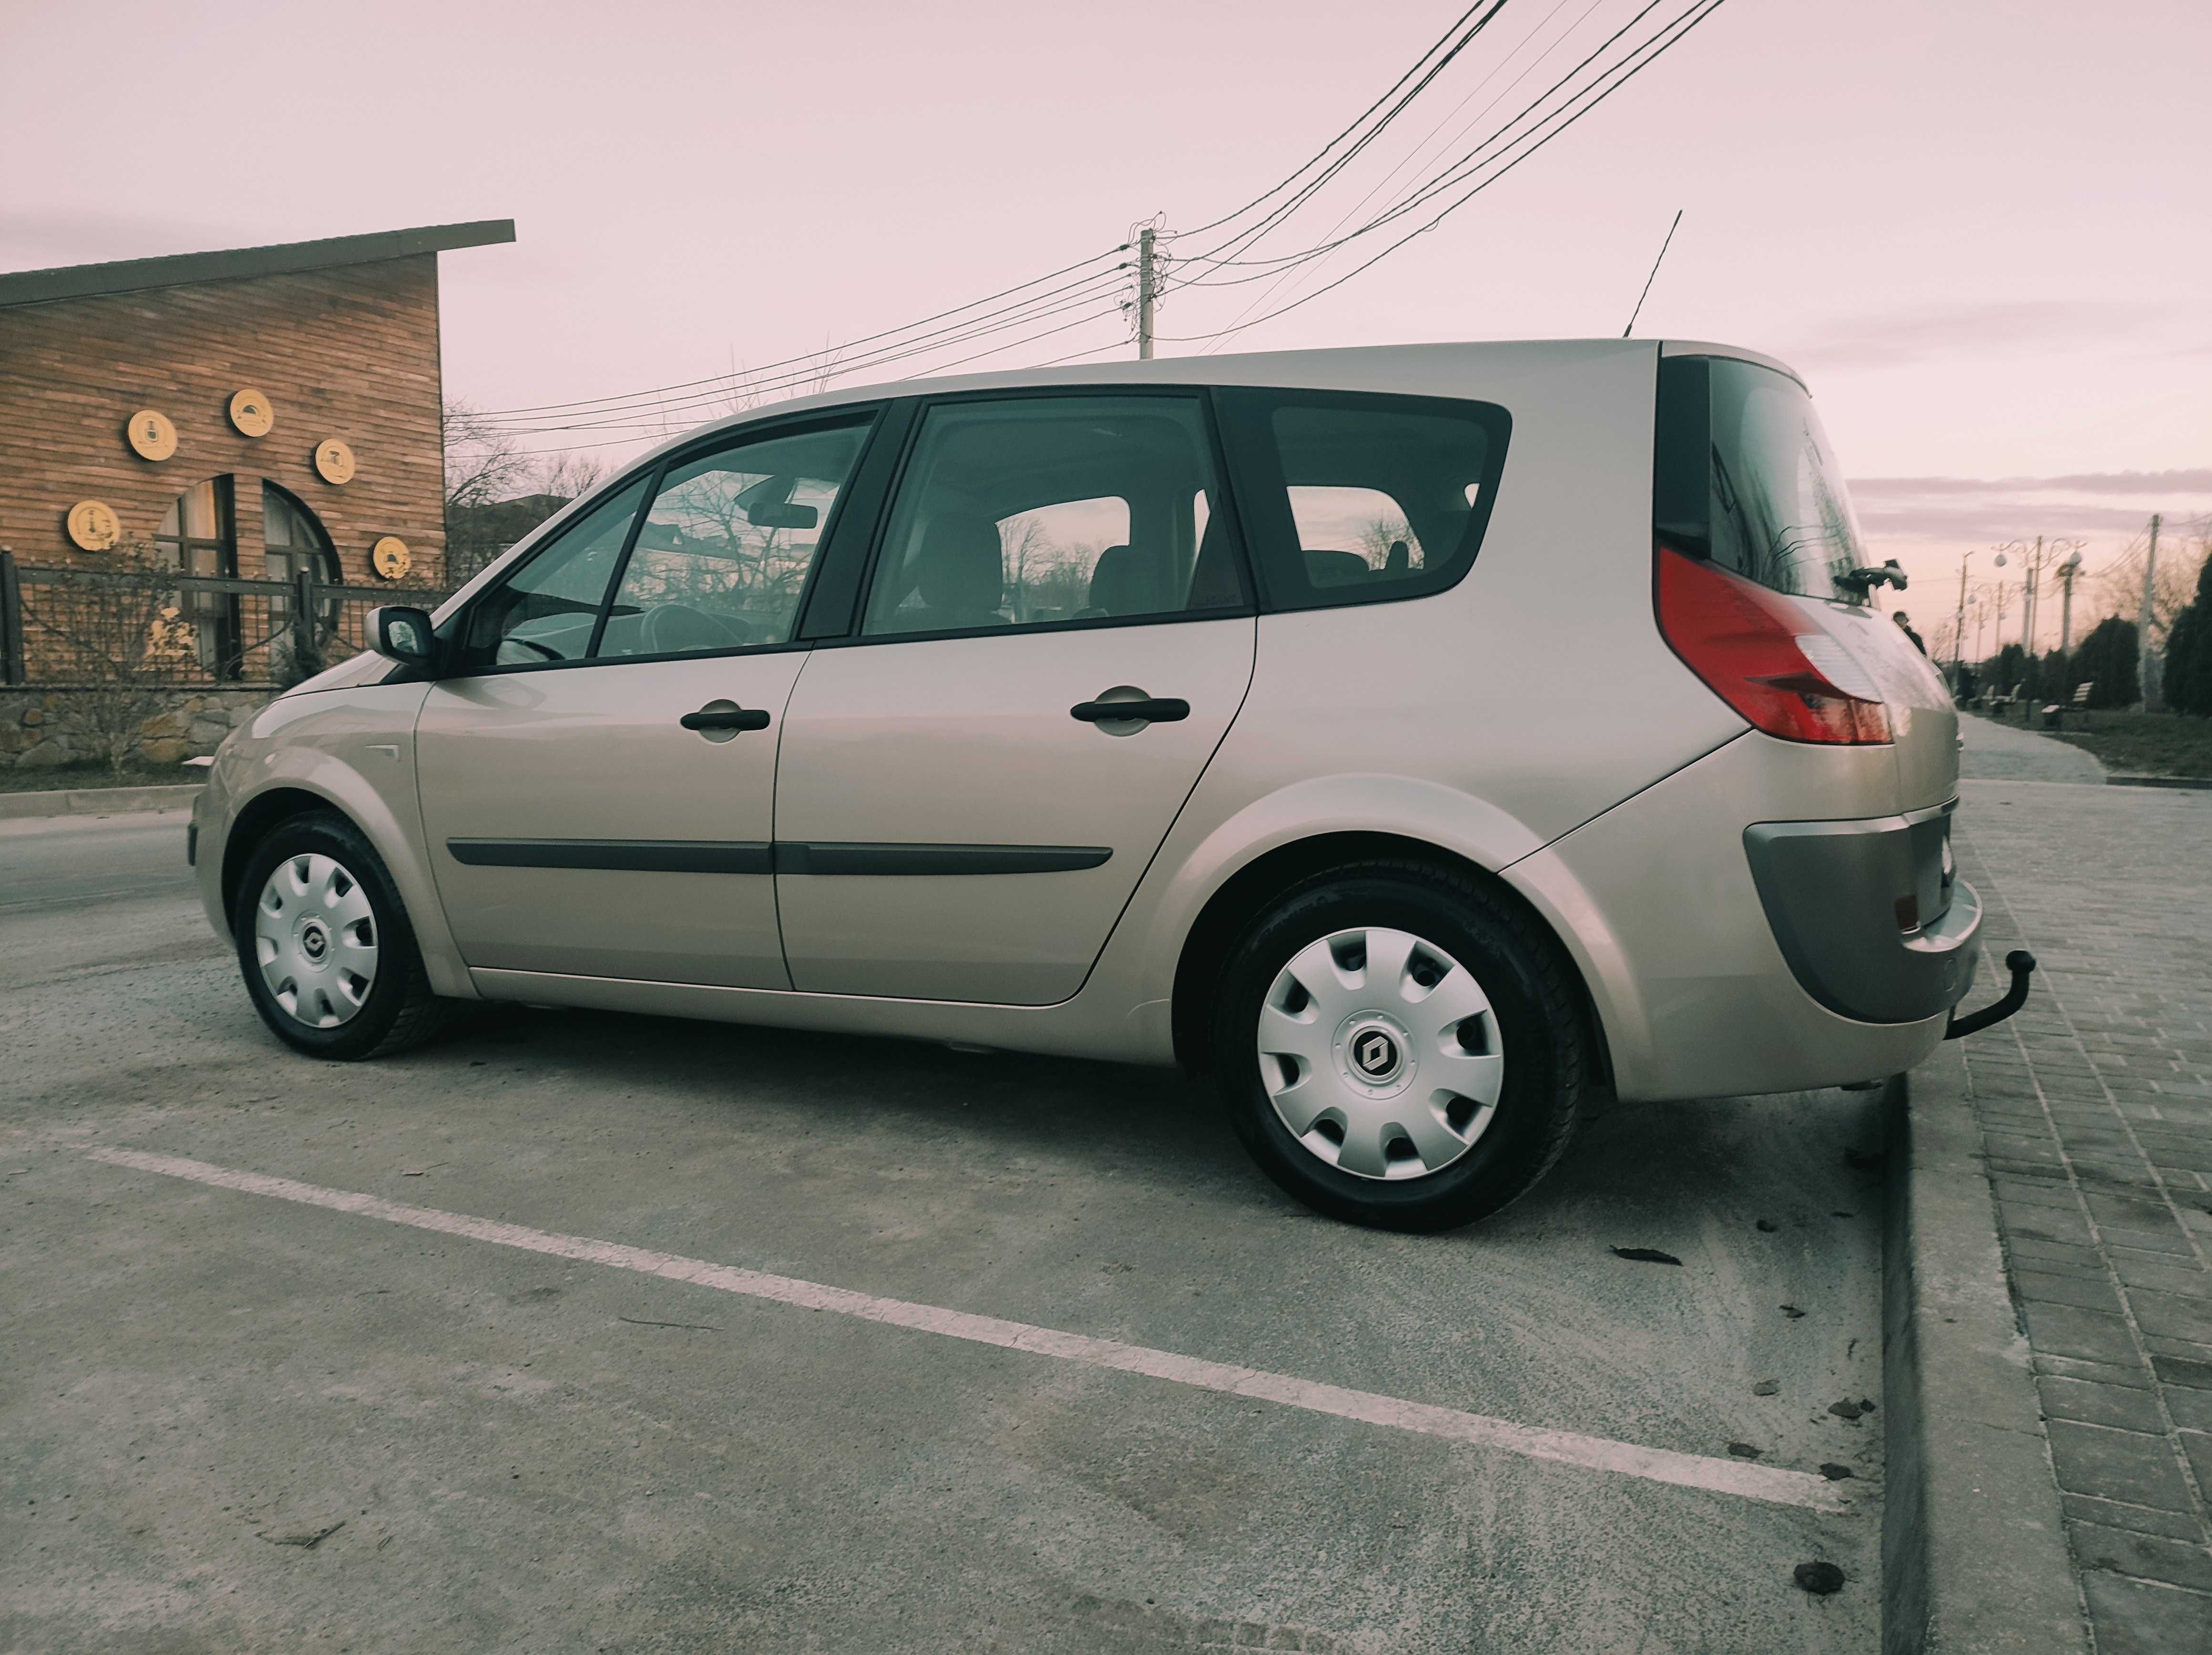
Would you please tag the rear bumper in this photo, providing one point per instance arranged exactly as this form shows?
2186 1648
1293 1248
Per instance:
1844 899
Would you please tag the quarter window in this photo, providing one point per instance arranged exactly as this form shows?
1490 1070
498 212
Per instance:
1744 475
1353 499
1037 510
546 610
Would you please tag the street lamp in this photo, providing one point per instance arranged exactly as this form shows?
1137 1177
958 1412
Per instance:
2066 572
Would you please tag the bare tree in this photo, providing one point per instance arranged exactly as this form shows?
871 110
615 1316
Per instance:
2118 588
119 634
1383 536
483 464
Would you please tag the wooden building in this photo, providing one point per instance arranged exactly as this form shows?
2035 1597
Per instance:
255 412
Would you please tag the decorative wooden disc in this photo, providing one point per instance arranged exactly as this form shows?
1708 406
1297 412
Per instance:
152 436
334 462
251 412
390 557
93 525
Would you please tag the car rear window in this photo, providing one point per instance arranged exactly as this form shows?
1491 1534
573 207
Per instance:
1743 475
1359 498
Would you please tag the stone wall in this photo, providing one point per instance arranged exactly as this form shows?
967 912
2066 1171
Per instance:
47 728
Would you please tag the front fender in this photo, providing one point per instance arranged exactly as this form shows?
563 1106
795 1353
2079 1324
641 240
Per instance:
356 750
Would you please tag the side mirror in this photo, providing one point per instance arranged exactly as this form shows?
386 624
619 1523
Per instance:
402 633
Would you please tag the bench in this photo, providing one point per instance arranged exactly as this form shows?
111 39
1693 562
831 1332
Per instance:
2054 715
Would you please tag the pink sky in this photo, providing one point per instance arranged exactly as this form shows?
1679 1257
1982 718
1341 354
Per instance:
1978 229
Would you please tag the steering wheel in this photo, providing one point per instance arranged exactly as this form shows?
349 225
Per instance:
549 652
674 628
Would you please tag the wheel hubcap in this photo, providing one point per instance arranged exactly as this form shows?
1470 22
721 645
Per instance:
314 935
1380 1053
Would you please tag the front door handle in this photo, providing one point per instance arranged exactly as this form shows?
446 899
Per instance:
720 721
1132 706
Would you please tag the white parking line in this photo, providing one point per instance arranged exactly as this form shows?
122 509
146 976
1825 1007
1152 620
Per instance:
1728 1476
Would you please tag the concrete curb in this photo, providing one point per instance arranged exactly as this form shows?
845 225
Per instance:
96 801
2202 784
1974 1549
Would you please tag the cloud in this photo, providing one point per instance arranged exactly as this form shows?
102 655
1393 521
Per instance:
2196 480
1984 328
2006 508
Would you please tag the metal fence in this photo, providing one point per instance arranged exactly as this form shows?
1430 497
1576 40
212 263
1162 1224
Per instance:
70 627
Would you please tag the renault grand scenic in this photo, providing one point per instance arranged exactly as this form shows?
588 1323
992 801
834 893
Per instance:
1422 742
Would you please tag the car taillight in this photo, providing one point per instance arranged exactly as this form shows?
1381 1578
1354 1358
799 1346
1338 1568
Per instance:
1763 657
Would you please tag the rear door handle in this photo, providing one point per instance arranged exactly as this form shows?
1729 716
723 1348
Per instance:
725 719
1138 709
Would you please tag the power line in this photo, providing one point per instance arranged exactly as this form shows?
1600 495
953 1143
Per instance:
1622 74
652 411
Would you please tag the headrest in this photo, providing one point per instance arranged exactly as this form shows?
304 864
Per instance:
962 568
1121 585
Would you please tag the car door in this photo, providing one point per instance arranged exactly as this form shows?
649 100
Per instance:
598 770
962 809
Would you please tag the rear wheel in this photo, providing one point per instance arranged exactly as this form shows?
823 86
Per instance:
1398 1046
324 946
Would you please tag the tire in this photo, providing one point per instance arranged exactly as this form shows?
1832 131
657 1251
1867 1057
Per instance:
324 983
1464 1030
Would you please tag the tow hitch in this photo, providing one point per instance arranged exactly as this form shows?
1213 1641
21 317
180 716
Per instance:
2022 964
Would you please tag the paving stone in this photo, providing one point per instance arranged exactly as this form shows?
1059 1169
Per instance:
2135 1372
2176 1562
2197 1445
2191 1410
2135 1466
2124 1406
2068 1330
2064 1252
2141 1520
2173 1240
2133 1617
2090 1293
2161 1271
2166 1314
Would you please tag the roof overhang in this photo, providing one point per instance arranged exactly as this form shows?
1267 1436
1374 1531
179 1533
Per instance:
181 270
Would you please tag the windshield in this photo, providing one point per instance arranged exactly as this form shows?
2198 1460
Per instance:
1745 476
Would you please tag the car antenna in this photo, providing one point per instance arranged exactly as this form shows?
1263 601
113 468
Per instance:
1648 280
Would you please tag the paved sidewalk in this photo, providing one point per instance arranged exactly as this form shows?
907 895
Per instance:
2009 753
2095 1109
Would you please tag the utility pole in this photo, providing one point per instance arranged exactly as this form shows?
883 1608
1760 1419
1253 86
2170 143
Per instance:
1959 643
1147 290
2067 571
2146 661
2027 600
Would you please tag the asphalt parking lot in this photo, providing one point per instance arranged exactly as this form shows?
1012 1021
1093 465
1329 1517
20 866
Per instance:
654 1335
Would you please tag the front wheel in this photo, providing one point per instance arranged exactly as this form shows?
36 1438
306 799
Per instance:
324 946
1400 1046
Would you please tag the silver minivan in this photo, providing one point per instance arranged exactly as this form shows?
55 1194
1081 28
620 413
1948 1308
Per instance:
1424 741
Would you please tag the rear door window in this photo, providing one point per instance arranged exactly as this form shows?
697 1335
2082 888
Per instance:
1743 475
1040 511
1354 499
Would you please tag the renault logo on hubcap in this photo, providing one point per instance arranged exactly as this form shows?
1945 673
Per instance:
1376 1054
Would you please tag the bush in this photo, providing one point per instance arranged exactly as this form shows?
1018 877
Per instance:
2107 660
2189 652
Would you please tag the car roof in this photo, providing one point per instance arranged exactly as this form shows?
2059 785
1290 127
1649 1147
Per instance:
1437 369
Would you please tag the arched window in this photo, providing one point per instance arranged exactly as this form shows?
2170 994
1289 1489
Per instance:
295 540
198 536
294 543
